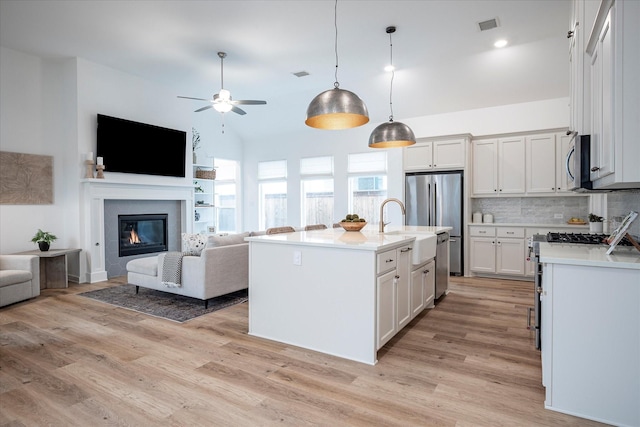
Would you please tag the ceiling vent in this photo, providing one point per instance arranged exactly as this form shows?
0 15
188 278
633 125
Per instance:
488 24
301 74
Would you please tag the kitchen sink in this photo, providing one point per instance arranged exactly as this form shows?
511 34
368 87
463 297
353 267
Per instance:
424 247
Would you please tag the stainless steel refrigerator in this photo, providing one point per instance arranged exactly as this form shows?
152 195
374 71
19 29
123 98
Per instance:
435 199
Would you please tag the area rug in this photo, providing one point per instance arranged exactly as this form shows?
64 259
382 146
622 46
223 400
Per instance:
164 304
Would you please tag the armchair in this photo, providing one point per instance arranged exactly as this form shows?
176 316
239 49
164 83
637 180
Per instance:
19 278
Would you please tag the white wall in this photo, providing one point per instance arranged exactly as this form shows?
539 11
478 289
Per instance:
550 114
26 126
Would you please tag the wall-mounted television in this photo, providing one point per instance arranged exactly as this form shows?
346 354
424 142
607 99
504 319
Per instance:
131 147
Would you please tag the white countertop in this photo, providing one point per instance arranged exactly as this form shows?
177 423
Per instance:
530 225
367 239
589 255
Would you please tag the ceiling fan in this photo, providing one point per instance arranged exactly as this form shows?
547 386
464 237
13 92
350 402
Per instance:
222 101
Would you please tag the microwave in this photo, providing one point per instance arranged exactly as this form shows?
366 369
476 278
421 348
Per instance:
578 164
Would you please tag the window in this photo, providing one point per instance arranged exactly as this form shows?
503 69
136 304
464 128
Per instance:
367 184
317 190
225 195
272 188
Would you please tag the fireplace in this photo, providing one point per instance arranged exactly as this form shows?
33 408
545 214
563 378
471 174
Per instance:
142 234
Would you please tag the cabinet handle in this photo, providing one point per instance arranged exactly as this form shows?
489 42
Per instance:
389 260
595 168
569 34
482 232
397 277
425 272
405 250
434 165
509 232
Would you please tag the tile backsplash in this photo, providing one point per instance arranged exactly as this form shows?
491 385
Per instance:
533 210
620 203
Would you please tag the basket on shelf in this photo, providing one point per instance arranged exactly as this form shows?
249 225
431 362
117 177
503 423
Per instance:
206 174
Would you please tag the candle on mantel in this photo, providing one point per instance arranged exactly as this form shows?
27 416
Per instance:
90 155
100 161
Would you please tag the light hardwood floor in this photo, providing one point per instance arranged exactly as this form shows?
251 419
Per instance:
67 360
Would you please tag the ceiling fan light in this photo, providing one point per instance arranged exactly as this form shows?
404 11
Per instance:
391 135
224 95
222 107
337 109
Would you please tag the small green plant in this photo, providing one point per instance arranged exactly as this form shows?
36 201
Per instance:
595 218
43 236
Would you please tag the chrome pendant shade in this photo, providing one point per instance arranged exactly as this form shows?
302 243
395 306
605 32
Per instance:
391 134
337 109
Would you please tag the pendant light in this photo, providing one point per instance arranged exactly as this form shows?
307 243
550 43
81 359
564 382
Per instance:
336 108
391 134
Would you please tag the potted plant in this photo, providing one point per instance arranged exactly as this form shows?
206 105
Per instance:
595 223
44 239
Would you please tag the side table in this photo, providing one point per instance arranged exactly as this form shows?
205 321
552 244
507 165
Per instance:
53 267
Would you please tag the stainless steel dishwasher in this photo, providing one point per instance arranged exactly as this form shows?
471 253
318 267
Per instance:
442 264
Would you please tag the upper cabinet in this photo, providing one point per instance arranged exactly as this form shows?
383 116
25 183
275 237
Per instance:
546 156
436 154
498 166
604 54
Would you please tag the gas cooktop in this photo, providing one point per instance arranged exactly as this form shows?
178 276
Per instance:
582 238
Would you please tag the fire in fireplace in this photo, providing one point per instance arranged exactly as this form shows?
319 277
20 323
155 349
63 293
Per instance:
142 234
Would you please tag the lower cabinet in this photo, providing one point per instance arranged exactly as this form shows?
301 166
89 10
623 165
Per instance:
501 252
393 293
386 307
423 287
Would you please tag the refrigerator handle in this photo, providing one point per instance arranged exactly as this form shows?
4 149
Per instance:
434 217
428 210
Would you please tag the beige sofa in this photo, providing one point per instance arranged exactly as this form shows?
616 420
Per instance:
19 278
221 268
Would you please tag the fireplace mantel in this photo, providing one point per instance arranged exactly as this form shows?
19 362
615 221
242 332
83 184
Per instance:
96 191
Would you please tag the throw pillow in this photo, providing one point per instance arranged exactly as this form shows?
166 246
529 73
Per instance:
193 244
230 239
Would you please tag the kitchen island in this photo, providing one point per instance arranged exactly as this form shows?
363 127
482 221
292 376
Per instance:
591 332
328 290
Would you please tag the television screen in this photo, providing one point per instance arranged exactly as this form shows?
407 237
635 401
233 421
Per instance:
131 147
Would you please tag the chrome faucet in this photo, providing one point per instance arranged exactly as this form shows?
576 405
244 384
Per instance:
382 223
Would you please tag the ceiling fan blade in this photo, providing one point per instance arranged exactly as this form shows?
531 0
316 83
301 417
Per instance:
203 108
238 110
248 102
197 99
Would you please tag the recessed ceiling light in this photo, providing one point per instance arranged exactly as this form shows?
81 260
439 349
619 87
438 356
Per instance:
500 43
301 74
389 68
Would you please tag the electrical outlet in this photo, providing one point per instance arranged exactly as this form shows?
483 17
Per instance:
558 216
297 258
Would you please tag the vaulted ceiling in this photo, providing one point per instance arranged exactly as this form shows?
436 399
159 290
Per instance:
444 62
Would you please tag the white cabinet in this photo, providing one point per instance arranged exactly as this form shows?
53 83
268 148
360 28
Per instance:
386 308
546 163
498 166
435 154
601 103
497 250
393 293
613 53
590 364
423 288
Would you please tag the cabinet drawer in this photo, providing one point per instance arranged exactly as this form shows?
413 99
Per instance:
482 231
386 261
511 232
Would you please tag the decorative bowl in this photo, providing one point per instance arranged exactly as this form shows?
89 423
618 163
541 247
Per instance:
353 226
